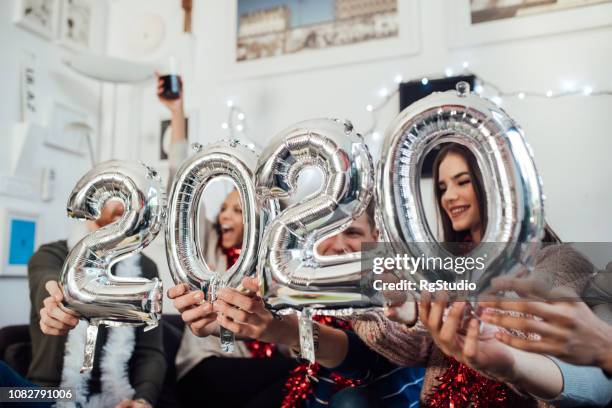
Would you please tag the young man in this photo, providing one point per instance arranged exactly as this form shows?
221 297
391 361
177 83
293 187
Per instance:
338 352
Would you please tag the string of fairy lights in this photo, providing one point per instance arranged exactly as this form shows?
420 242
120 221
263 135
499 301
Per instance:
483 87
236 125
236 122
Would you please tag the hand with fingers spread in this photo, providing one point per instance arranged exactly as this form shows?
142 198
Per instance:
533 373
195 312
566 327
481 352
245 314
55 320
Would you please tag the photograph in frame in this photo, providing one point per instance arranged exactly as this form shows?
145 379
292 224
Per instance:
475 22
75 23
37 16
266 39
165 136
268 28
491 10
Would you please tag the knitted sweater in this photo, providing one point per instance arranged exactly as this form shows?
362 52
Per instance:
413 346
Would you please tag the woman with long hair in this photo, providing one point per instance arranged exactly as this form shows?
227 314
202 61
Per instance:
203 369
347 372
467 366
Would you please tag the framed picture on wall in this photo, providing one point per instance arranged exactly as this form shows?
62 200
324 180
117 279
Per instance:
75 23
475 22
18 241
271 37
37 16
69 129
165 137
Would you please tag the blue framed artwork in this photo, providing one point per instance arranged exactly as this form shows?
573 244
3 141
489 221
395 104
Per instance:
19 232
21 241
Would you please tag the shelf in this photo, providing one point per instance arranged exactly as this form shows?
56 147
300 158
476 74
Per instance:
108 69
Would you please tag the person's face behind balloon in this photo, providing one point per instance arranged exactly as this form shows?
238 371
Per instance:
458 196
358 232
111 212
230 221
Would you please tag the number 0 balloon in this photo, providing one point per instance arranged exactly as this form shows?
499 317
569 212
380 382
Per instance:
187 264
513 191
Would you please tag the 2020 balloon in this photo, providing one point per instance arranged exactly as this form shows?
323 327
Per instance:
292 274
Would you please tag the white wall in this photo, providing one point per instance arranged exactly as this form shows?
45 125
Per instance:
56 84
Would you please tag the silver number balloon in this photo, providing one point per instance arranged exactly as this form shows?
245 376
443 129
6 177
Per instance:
292 274
185 256
89 287
512 186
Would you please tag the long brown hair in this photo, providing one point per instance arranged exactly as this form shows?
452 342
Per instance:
449 234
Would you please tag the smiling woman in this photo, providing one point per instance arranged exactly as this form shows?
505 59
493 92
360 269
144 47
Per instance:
459 194
230 222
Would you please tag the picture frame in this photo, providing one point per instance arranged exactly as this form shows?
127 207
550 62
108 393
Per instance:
165 136
21 231
462 33
37 16
407 42
75 24
154 142
69 129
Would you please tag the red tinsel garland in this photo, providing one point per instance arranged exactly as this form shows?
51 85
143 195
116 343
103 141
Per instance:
460 386
299 384
232 254
258 349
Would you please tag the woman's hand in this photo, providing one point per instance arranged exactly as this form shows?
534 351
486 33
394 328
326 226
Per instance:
174 105
482 352
54 319
195 312
533 373
400 306
246 315
405 312
567 328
